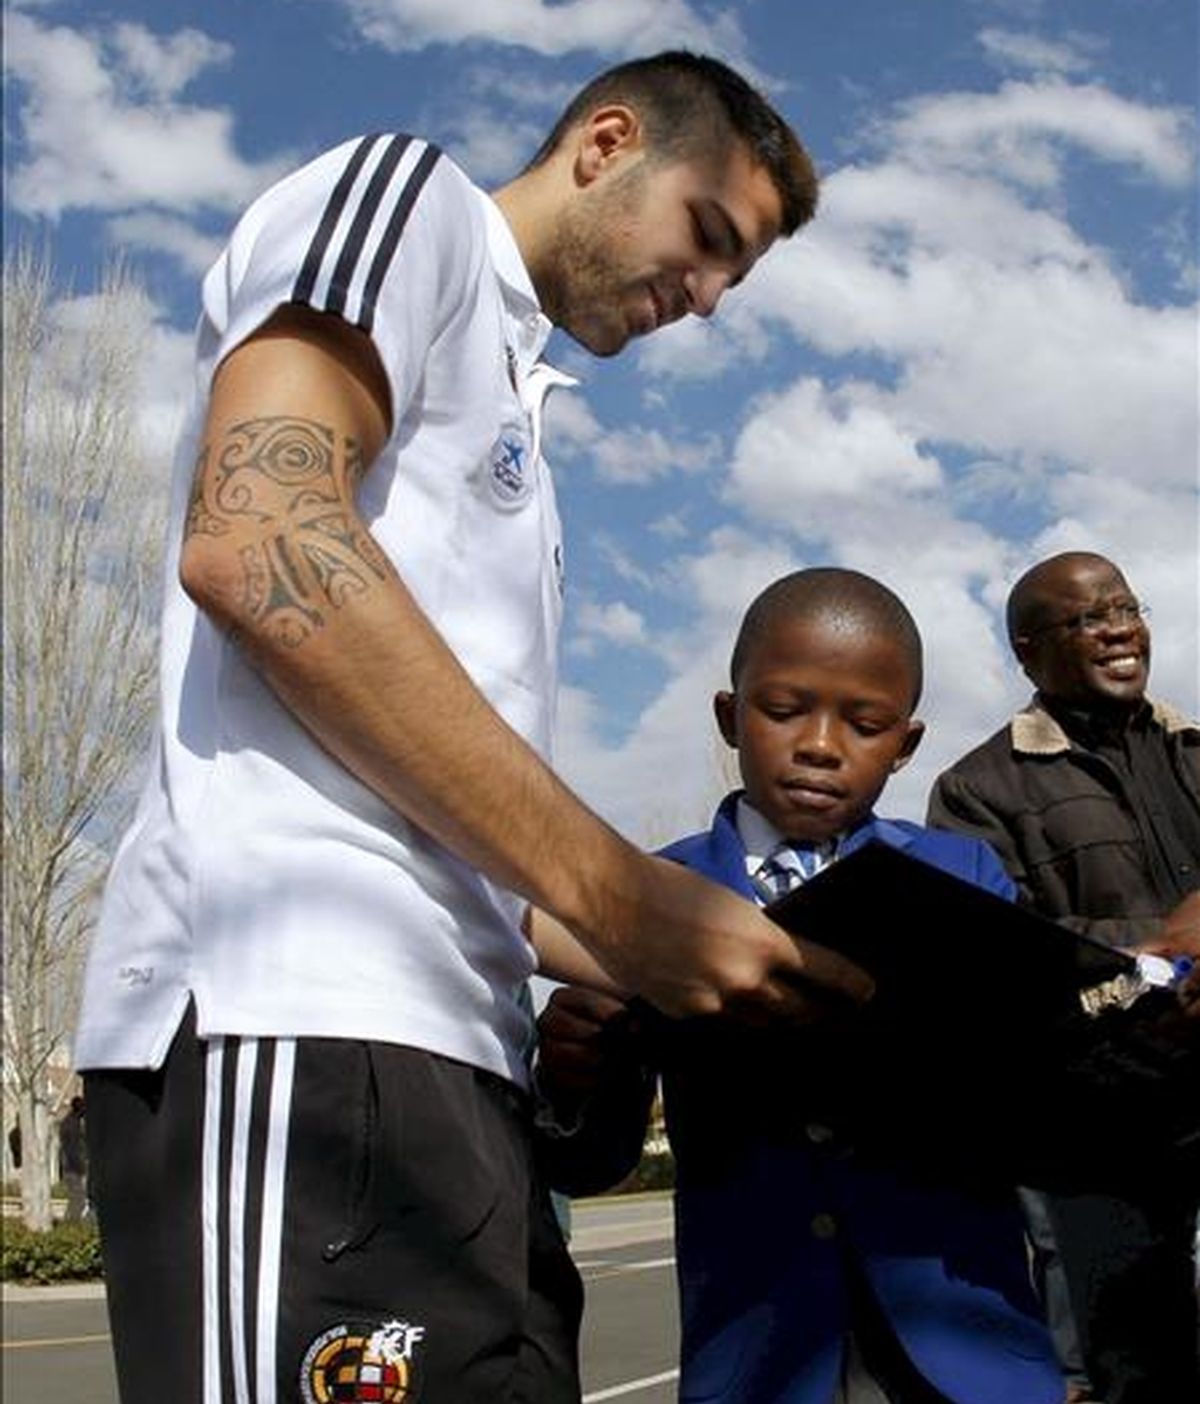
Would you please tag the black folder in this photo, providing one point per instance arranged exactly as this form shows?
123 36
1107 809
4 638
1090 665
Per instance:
941 948
977 1048
976 1061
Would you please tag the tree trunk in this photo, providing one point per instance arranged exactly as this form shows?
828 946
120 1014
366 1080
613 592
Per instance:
37 1160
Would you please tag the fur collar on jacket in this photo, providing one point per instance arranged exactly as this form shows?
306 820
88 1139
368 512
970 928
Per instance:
1035 732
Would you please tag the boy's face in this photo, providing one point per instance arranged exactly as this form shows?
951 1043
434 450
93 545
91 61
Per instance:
820 719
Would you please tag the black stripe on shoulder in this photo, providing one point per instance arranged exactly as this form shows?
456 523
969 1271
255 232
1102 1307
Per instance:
311 268
391 235
352 247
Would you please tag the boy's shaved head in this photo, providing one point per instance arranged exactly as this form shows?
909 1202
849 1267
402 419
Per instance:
853 602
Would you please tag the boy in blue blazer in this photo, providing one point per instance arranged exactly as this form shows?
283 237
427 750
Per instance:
812 1269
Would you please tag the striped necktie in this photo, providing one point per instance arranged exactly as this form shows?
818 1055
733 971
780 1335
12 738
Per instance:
786 867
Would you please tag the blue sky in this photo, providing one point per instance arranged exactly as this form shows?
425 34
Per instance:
982 351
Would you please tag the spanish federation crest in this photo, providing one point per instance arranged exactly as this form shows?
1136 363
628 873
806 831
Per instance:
353 1362
511 467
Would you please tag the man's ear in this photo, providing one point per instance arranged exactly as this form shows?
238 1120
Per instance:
1025 648
725 711
912 739
606 135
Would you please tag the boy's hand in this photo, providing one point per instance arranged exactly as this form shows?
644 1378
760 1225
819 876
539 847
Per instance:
585 1040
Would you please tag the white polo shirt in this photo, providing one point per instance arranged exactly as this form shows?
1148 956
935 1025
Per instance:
258 875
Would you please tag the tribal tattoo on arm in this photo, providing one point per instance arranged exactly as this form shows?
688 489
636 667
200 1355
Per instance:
292 481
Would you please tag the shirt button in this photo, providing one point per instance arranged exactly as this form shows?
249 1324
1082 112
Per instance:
823 1226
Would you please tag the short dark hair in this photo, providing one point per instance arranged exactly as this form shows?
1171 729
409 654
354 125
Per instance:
691 104
1028 607
830 592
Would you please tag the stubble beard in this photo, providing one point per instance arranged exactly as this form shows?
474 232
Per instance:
582 285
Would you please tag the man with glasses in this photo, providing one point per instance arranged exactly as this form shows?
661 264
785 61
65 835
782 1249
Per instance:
1091 796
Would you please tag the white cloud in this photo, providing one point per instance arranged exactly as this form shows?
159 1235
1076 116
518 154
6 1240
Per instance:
492 151
1045 357
665 778
1009 335
734 565
622 456
571 427
615 624
620 562
164 67
809 451
1020 130
160 233
1017 49
642 455
671 527
100 125
607 26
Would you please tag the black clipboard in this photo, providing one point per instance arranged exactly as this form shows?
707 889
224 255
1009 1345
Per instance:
976 1055
941 948
975 1062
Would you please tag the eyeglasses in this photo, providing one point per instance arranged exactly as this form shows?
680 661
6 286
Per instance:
1092 621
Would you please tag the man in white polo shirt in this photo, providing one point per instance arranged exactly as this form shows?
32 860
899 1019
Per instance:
303 1024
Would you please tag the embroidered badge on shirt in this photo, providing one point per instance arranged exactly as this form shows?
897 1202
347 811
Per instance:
353 1362
510 468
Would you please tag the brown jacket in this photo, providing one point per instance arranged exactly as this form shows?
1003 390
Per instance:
1058 816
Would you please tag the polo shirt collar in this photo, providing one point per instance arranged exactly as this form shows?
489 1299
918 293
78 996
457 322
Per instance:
519 295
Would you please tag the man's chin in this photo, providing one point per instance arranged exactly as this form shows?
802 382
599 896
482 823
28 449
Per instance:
1116 698
1125 692
604 334
600 344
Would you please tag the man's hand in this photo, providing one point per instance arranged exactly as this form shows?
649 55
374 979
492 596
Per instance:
1181 928
1180 939
690 946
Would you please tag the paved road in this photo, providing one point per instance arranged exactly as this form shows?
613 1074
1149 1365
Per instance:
625 1255
56 1347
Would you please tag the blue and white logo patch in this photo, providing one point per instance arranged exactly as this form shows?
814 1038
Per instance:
511 467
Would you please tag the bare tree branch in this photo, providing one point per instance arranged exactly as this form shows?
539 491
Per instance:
81 545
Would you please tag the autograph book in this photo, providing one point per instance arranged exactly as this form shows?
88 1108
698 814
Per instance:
941 948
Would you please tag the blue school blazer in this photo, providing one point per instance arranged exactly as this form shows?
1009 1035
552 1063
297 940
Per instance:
764 1254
